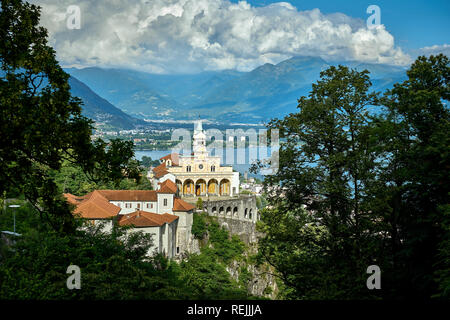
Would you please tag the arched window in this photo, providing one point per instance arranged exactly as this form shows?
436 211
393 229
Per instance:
213 168
188 169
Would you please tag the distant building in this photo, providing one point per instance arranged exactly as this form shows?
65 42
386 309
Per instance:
158 212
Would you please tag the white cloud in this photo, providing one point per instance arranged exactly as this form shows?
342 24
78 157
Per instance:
434 50
192 35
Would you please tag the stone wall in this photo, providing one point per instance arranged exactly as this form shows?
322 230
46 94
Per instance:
241 208
237 214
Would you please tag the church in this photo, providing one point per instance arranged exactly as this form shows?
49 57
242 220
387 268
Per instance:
163 211
159 213
197 174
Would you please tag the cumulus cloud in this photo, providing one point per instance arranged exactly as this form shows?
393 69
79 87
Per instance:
178 36
434 50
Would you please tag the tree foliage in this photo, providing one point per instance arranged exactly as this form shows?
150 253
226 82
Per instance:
206 273
42 125
356 187
113 265
149 162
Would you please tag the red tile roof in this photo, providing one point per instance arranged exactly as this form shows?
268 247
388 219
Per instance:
72 198
167 186
170 217
174 157
146 219
160 170
129 195
93 206
181 205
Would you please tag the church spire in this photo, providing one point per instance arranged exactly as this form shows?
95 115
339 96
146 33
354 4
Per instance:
199 143
198 126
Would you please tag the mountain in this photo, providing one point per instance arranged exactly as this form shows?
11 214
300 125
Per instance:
147 95
100 110
124 90
268 91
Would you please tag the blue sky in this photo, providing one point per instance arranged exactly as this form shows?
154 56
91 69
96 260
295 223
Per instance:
189 36
414 24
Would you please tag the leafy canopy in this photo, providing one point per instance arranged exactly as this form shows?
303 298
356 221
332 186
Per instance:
41 123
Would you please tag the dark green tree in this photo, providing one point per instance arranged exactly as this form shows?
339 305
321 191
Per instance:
148 162
41 123
355 189
411 194
325 164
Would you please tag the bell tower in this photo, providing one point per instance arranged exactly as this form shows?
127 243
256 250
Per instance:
199 143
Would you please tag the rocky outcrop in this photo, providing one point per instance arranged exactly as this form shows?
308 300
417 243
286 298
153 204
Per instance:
245 230
260 282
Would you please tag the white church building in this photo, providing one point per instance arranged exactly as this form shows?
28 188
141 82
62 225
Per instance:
160 213
197 174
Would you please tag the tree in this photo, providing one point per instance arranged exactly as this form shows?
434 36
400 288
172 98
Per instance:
113 265
357 188
412 190
325 165
148 162
199 204
42 123
206 273
198 226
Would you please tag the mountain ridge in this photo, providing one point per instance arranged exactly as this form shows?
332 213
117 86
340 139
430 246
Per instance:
270 90
100 110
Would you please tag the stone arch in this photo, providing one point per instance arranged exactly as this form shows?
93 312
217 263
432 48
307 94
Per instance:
214 210
224 187
200 187
228 211
213 187
250 214
221 210
188 187
245 213
235 211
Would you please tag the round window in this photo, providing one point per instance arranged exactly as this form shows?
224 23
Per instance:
200 167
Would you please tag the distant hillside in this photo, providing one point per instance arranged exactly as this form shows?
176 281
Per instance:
125 90
99 109
228 96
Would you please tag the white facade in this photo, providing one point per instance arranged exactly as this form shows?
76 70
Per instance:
131 206
164 203
159 213
197 174
154 232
